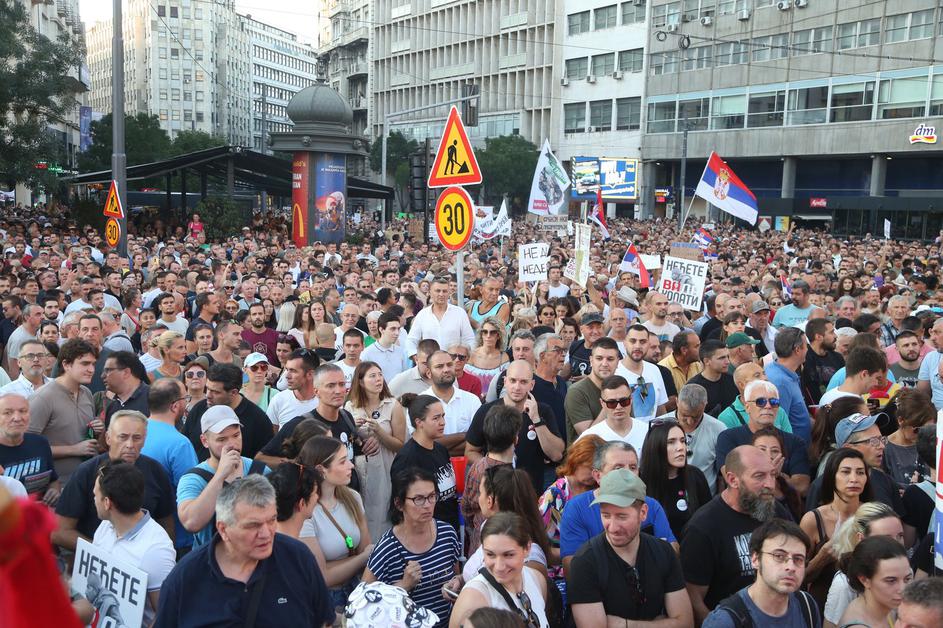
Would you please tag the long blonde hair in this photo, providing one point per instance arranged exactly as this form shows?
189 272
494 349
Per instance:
850 533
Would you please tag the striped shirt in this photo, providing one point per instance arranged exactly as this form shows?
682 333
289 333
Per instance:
388 561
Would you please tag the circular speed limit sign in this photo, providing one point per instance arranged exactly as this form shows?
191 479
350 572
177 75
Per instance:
454 218
112 232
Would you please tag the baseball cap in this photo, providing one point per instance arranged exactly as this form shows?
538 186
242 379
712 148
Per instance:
850 424
592 317
759 306
738 339
254 358
620 488
218 418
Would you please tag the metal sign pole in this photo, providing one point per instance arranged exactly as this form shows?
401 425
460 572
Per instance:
119 160
460 278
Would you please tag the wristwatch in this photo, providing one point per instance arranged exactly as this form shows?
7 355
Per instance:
536 423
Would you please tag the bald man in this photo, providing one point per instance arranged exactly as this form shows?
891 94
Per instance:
539 443
735 415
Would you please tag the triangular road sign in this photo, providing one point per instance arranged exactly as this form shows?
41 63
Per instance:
455 162
113 208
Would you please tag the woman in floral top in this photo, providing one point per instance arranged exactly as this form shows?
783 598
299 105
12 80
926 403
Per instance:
576 476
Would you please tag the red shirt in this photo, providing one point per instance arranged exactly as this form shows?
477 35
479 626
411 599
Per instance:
470 383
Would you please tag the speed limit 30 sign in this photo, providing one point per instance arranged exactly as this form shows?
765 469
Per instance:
454 218
112 232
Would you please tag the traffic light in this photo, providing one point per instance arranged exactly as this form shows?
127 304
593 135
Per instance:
470 107
417 182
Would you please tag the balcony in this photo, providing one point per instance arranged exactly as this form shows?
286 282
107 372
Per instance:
357 69
336 6
354 36
358 103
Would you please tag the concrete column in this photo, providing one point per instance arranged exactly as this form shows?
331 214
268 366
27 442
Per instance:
789 177
878 175
647 190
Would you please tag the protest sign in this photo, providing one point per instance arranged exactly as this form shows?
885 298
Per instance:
577 268
687 250
548 189
651 261
117 590
533 261
552 223
682 281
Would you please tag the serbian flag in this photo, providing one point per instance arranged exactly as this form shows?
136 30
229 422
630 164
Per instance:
719 186
703 237
598 216
632 263
787 287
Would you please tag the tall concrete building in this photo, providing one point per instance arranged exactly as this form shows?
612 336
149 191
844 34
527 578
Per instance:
281 66
346 47
428 51
185 62
827 109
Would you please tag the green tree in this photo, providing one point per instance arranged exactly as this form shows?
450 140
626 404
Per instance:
507 167
398 151
192 141
36 89
144 142
223 217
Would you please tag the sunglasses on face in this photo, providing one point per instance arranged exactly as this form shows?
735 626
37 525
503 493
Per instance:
762 402
613 403
195 374
255 368
459 357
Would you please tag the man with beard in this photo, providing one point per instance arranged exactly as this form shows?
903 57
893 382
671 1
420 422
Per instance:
649 397
907 368
582 404
261 338
715 553
657 320
778 552
821 361
460 405
579 362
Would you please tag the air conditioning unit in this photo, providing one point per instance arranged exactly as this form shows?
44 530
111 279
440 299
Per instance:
592 129
671 28
801 4
638 3
784 5
617 75
591 78
564 81
707 20
743 15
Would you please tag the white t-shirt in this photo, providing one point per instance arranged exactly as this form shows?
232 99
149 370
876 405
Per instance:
555 292
645 406
635 437
664 332
285 406
348 372
833 394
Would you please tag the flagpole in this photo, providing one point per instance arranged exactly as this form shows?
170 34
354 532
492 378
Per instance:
684 216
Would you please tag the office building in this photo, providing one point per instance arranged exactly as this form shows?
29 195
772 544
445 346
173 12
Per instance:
827 109
345 46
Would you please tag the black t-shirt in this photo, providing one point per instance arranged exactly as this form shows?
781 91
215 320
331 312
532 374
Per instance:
78 501
554 395
578 358
256 428
924 556
709 327
919 508
817 372
681 505
137 401
598 574
437 462
530 457
715 550
720 394
30 463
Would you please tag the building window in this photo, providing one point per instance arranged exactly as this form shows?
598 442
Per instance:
936 95
604 64
628 114
578 23
175 94
173 12
162 52
696 58
663 63
770 47
808 105
174 53
633 12
728 112
574 117
902 98
661 117
921 24
631 60
162 73
162 11
895 28
605 17
766 109
577 69
852 102
859 34
811 41
694 113
163 114
600 115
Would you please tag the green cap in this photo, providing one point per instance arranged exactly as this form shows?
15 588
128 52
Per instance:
738 339
620 488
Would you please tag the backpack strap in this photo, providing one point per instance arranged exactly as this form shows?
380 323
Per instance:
739 416
806 601
738 611
257 467
203 473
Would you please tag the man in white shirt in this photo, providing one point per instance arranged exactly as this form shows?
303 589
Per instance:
460 405
353 349
27 330
385 351
657 320
128 533
865 368
349 317
166 304
618 424
556 289
447 324
417 379
33 355
649 395
301 396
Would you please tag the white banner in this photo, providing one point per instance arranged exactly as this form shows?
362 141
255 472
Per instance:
887 229
577 268
651 262
533 261
683 281
488 226
548 189
117 590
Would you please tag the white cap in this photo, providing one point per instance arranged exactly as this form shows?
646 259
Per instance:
254 358
218 418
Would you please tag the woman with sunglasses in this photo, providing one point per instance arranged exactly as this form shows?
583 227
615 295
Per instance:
488 358
845 487
378 413
419 553
547 315
232 308
914 410
878 571
505 582
194 379
679 487
338 521
256 367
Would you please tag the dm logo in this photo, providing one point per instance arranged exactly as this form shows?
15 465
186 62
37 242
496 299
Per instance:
923 134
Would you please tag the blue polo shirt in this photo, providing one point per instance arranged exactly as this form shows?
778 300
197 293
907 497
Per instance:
791 399
197 594
582 521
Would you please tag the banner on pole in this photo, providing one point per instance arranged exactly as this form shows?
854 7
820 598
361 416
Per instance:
118 591
577 268
533 261
548 189
682 282
887 229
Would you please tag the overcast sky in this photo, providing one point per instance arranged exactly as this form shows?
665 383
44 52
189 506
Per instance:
294 16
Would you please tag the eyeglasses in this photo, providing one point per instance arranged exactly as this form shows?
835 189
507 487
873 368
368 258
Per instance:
255 368
461 357
874 441
799 560
421 500
612 403
29 357
761 402
489 332
186 398
195 374
532 618
635 584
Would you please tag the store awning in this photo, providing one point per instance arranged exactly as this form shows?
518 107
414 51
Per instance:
822 217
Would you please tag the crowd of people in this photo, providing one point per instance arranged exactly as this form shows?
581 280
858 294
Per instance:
261 428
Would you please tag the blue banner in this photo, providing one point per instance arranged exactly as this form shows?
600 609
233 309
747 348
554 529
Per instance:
616 177
330 190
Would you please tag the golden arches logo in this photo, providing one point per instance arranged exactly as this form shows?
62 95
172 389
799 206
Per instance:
298 216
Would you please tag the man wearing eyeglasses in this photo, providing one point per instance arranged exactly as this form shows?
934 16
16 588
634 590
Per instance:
33 357
778 552
123 376
27 330
761 400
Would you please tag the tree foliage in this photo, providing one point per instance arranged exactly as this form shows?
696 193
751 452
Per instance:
222 216
144 142
507 167
35 90
398 151
192 141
